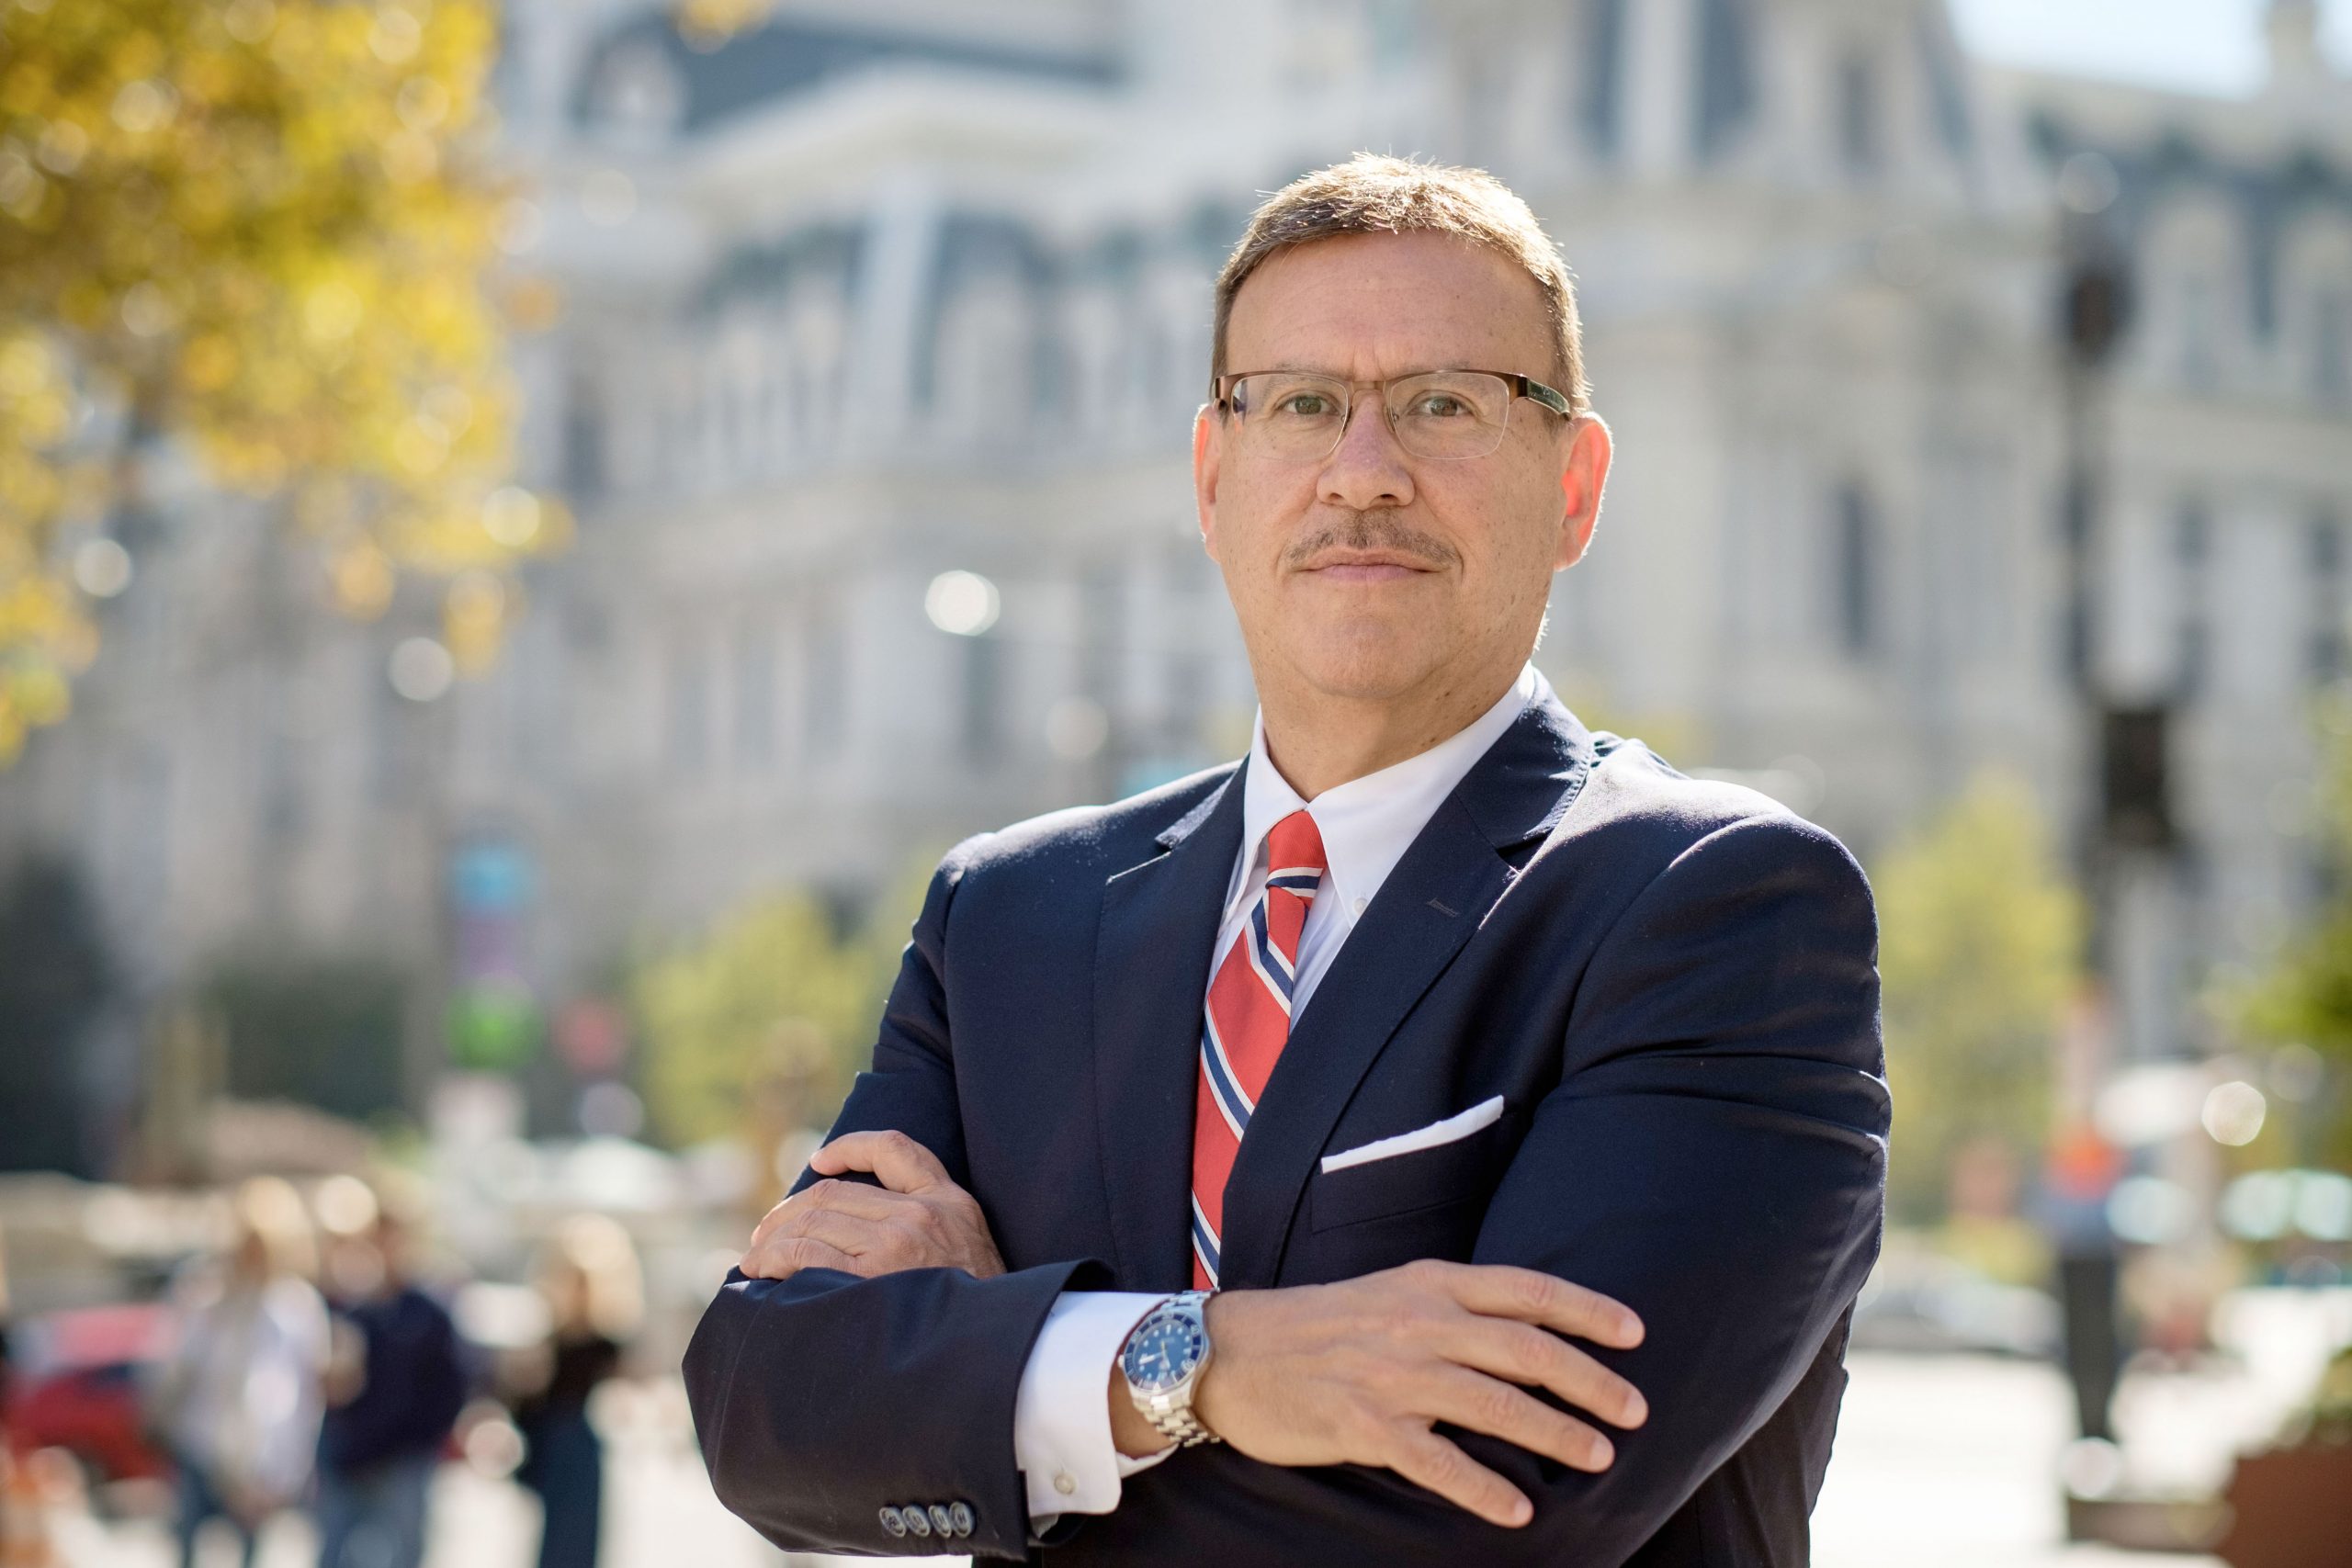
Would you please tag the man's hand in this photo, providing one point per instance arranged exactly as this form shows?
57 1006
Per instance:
1359 1371
917 1219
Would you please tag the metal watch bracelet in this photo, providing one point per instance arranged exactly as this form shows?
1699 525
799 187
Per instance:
1170 1413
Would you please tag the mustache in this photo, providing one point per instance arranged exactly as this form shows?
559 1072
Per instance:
1371 531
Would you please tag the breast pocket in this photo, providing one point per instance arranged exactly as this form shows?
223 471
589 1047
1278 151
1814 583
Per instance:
1460 1172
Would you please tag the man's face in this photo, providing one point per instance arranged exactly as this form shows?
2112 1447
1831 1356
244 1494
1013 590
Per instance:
1373 574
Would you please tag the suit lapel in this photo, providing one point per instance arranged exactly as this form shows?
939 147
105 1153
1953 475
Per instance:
1429 907
1151 971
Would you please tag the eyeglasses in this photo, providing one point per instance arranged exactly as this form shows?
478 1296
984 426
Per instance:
1296 415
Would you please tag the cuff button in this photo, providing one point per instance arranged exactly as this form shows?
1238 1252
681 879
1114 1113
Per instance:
918 1522
1065 1482
943 1523
960 1516
893 1521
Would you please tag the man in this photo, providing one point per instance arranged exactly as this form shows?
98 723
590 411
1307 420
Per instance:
1517 1099
394 1388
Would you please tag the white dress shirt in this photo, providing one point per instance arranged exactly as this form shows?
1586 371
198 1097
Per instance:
1061 1422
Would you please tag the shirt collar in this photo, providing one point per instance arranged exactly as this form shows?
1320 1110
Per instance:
1367 824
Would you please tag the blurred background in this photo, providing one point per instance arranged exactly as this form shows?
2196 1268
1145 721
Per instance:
525 529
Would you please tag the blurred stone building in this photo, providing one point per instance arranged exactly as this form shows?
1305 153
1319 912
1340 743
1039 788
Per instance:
872 294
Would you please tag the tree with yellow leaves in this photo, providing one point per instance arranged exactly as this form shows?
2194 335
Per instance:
260 233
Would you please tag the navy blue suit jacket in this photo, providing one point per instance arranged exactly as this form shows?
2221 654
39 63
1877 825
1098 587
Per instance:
1671 984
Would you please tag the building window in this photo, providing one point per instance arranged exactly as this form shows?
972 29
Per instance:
1726 79
983 360
2200 348
1858 118
1602 106
1857 571
2332 349
2323 552
638 92
686 720
824 697
983 725
754 693
1947 89
583 440
2192 551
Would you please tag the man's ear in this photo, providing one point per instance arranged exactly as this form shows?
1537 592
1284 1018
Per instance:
1583 473
1207 453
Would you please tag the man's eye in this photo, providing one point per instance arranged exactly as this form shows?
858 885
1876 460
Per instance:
1439 405
1305 406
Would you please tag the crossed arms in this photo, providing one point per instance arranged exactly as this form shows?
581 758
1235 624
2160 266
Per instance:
1712 1160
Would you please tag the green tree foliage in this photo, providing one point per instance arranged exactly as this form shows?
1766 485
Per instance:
1979 950
2306 995
259 232
771 1001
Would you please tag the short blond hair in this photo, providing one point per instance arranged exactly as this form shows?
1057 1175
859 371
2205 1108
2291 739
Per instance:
1371 194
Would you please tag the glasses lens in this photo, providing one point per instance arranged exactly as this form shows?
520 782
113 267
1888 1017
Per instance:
1450 414
1290 415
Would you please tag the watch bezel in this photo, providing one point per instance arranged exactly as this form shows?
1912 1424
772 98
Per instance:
1180 1321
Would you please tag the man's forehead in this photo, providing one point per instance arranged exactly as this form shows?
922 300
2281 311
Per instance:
1415 295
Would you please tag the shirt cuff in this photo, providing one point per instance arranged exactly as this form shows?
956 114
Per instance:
1061 1421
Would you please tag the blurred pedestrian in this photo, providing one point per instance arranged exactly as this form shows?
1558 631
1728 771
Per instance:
239 1401
395 1383
2079 1177
594 1296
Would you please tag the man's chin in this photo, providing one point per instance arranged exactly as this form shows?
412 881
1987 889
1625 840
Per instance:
1369 665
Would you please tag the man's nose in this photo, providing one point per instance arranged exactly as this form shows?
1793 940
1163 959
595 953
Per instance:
1367 469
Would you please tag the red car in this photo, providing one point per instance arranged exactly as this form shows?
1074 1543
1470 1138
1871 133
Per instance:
76 1386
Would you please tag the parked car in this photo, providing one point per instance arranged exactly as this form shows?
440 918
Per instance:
78 1386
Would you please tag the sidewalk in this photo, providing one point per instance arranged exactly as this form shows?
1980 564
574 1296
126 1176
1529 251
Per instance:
1951 1461
1941 1463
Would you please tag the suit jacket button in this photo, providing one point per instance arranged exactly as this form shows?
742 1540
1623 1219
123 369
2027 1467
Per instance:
960 1516
943 1523
893 1521
918 1522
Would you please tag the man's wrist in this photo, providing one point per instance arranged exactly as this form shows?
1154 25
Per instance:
1132 1432
1173 1333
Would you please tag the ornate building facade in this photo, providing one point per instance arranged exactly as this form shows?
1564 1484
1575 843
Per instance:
873 293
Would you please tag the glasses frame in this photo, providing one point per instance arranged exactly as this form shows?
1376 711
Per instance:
1528 387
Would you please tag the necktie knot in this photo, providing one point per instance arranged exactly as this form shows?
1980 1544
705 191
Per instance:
1294 859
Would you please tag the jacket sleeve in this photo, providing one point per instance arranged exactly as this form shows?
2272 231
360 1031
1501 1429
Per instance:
1713 1157
829 1406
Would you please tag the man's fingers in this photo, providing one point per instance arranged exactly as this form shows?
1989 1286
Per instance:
1422 1456
844 1197
1496 1290
876 1242
859 1200
1481 1404
903 1165
783 1257
1525 1354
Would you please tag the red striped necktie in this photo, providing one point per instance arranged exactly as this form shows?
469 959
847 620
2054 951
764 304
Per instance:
1248 1020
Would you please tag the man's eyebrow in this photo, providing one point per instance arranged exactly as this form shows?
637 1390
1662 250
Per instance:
1342 376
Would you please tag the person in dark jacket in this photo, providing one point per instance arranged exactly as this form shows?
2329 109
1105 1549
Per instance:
594 1295
395 1385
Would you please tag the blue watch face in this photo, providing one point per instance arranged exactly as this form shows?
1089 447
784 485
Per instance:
1163 1351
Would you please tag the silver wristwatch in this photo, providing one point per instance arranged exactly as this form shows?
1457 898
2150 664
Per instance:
1163 1361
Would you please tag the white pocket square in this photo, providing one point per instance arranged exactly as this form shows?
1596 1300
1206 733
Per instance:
1452 1129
